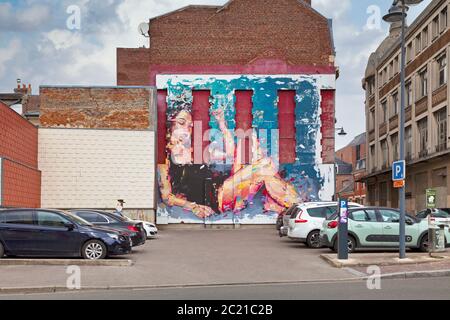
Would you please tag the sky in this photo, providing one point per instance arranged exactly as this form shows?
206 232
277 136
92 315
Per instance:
46 42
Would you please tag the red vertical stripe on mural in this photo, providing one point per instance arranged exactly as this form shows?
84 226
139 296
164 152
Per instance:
244 121
327 119
162 126
200 114
286 118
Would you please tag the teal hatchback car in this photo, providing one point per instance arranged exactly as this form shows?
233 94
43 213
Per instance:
377 228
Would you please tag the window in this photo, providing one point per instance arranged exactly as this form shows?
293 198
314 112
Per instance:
409 94
372 120
17 217
425 38
364 216
50 219
390 216
92 217
441 121
394 104
435 27
391 70
418 43
408 140
322 212
383 112
384 153
358 152
443 21
382 195
442 70
371 86
372 158
423 83
394 143
409 53
422 127
396 66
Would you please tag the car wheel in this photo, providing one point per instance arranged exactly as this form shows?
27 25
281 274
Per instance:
94 250
351 245
313 240
424 245
2 250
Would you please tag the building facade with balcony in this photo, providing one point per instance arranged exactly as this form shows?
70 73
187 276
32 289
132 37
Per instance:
351 168
427 109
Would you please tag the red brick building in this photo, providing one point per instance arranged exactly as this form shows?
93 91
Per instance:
20 178
207 57
351 163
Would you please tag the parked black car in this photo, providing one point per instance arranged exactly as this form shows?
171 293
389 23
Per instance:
55 233
135 230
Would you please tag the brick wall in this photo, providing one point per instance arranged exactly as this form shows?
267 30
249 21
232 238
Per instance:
18 137
21 185
99 108
239 33
20 179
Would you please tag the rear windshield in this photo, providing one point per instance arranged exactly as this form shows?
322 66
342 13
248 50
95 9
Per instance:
322 212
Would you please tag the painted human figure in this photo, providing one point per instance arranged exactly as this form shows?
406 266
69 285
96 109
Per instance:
180 179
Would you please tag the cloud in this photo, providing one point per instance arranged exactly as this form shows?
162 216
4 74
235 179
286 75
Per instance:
8 54
36 46
22 19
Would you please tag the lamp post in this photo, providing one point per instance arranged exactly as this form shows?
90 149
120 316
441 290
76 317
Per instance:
397 13
342 133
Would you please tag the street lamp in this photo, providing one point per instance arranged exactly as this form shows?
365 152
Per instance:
397 13
341 132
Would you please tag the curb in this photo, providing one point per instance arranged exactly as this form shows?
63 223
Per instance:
66 262
56 289
354 263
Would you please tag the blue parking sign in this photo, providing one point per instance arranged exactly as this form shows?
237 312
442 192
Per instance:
399 171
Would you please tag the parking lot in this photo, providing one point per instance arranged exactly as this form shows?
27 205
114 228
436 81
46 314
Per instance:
195 257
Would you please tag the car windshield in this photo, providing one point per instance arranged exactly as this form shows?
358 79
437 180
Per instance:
437 213
76 219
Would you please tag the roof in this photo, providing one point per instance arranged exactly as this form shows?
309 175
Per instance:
359 140
31 105
343 168
392 42
412 28
11 98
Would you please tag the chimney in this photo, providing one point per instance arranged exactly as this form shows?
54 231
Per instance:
23 89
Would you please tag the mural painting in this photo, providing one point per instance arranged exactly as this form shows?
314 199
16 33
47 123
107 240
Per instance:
221 171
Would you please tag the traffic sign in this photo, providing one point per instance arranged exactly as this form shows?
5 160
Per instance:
431 198
399 170
399 184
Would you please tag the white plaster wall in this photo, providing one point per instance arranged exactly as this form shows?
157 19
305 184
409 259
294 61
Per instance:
93 168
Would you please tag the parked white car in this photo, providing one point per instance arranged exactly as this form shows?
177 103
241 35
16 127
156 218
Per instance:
307 220
150 228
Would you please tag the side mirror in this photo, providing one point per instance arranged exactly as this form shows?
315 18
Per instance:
409 222
69 226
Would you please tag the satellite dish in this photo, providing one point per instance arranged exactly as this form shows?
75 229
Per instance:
144 28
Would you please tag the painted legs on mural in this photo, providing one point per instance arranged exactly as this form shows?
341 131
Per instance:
247 180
